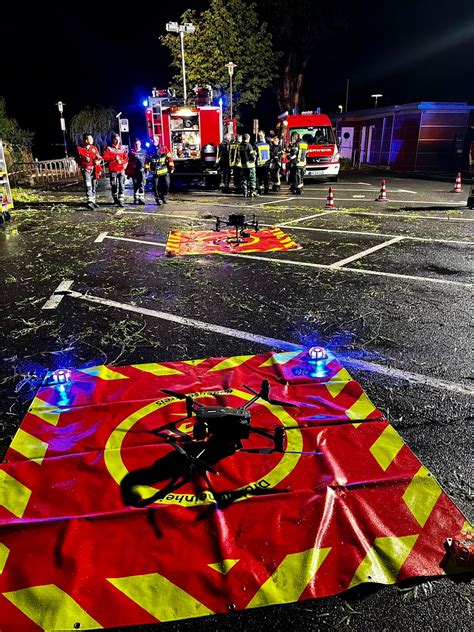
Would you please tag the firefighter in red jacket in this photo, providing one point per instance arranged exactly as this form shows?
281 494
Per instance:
117 158
89 161
161 167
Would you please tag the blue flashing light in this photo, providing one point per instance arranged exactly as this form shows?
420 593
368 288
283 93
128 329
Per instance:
145 103
61 376
221 102
317 353
147 144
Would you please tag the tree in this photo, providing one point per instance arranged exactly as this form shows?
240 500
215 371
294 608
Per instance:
300 28
230 30
17 141
100 122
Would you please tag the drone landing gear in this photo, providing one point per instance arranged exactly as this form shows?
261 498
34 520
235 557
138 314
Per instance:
241 226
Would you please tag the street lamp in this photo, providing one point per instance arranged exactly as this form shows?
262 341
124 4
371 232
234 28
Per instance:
61 105
340 108
230 66
376 97
117 116
174 27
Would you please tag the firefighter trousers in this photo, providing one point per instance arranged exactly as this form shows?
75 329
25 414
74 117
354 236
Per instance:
249 181
90 182
117 182
139 181
161 187
225 176
237 173
275 176
296 179
263 179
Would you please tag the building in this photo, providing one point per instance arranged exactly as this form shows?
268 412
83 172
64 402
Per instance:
424 137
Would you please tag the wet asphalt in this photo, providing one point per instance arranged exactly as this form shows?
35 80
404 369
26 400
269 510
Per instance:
406 306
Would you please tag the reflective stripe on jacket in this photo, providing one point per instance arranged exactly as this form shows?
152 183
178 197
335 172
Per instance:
263 153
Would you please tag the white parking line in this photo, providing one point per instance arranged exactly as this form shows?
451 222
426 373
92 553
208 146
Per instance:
103 236
58 295
364 253
430 203
302 219
275 201
275 343
404 215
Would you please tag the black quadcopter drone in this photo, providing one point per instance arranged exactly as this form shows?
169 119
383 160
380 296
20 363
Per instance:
240 224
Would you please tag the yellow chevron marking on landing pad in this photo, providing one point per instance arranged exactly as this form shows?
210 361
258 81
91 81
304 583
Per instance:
384 560
422 494
104 373
231 363
51 608
361 409
290 579
157 369
45 411
280 358
338 382
224 566
4 553
386 447
194 362
29 446
159 597
14 496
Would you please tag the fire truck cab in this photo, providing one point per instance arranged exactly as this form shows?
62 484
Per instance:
192 133
316 130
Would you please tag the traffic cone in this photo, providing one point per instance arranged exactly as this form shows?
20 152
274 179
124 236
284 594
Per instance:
457 184
383 193
330 199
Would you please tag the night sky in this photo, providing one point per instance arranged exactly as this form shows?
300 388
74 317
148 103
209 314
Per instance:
82 54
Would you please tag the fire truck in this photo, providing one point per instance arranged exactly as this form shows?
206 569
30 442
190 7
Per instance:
316 130
192 133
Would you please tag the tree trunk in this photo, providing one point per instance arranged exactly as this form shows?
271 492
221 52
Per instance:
289 90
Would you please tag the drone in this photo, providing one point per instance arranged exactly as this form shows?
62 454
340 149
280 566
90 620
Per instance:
237 221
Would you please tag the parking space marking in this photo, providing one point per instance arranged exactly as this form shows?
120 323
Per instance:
391 201
275 201
58 295
404 215
363 365
103 236
364 253
302 219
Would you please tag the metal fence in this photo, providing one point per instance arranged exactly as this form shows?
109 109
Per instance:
41 172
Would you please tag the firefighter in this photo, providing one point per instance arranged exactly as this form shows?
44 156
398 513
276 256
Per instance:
89 161
297 159
136 169
161 168
223 162
247 158
263 163
117 158
235 162
276 162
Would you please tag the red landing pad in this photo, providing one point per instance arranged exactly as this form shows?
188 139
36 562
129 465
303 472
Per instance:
208 242
346 503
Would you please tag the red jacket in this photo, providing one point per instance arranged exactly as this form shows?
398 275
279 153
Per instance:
88 159
116 157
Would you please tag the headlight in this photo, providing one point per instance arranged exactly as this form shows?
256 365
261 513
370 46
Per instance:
335 156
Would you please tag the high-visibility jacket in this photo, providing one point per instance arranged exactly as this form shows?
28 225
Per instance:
117 158
161 162
247 155
263 153
298 151
234 154
88 159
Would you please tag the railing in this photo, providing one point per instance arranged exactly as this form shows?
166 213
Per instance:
43 172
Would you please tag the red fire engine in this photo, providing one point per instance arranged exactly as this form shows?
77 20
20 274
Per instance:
316 130
192 133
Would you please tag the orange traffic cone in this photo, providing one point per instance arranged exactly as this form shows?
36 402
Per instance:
457 184
330 199
383 193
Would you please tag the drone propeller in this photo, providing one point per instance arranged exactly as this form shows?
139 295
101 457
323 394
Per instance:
189 400
265 395
194 460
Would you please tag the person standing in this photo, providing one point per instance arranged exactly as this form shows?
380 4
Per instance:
117 158
263 163
297 160
247 158
89 161
223 162
235 162
161 168
276 162
136 169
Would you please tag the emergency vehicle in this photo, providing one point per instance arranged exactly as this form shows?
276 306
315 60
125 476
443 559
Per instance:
192 133
316 130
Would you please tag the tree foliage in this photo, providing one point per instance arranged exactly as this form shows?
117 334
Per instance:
17 141
229 30
304 30
100 122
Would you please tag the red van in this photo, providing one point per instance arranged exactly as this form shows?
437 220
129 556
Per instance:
317 131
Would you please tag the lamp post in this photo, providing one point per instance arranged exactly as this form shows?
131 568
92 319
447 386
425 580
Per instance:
117 116
376 97
61 105
230 66
174 27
